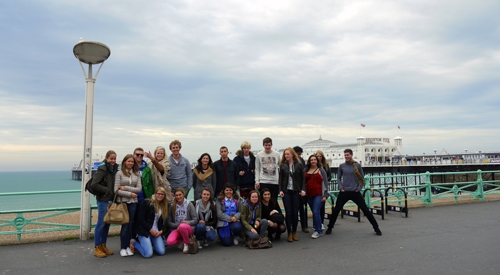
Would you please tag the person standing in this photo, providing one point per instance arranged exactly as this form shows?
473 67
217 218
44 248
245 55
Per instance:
291 179
160 170
226 171
303 200
350 180
266 168
204 176
324 164
103 183
139 159
127 186
316 190
180 173
245 161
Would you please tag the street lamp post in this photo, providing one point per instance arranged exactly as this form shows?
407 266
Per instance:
90 53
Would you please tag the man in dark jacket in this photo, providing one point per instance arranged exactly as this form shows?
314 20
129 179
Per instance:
245 161
225 171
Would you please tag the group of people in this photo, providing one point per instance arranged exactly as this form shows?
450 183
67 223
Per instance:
156 191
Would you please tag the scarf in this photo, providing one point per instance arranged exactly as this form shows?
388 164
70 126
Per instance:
159 179
203 213
361 180
254 212
203 176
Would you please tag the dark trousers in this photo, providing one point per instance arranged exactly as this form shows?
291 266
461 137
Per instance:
303 212
357 198
291 201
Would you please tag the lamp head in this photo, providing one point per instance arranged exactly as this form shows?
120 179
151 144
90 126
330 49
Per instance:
90 52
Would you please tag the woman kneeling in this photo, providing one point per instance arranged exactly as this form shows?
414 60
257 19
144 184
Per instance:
182 221
151 215
255 227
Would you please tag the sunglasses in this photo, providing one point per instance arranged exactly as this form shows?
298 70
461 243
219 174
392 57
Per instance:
140 155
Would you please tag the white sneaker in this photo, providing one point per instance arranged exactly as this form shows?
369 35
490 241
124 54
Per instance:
315 235
185 249
235 241
322 227
205 242
123 253
199 245
129 251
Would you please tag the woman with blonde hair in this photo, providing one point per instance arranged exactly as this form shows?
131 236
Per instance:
291 186
128 185
160 170
324 164
151 214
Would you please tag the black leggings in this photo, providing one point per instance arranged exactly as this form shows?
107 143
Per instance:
357 199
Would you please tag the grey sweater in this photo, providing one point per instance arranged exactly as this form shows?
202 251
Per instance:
132 185
181 174
346 179
267 167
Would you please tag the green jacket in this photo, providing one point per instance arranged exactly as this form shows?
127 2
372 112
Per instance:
147 182
246 215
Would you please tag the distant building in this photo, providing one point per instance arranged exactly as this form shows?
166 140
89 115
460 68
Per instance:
366 150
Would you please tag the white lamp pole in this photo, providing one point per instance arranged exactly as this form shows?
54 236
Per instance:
90 53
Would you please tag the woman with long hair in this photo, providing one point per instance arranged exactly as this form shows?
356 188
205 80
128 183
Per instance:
160 170
207 218
316 189
291 186
251 219
204 176
324 164
271 211
103 183
151 214
127 186
229 215
181 221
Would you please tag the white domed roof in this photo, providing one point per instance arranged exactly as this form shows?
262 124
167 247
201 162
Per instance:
319 143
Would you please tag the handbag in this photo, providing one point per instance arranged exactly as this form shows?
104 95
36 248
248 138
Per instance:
117 212
193 245
260 243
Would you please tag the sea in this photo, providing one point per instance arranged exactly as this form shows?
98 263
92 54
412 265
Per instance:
36 181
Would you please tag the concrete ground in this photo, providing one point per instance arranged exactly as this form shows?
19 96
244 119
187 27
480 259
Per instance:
455 239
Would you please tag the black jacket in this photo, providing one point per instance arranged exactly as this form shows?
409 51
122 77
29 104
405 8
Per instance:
231 175
249 177
146 218
104 181
299 183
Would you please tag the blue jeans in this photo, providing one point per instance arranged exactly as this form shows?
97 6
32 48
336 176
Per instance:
261 230
126 231
235 228
200 231
315 204
101 228
145 245
291 200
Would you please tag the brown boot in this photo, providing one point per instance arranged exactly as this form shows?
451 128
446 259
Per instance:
106 250
294 236
98 252
290 238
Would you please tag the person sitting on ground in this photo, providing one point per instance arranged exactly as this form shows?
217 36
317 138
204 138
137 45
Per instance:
255 226
181 221
229 215
151 214
207 218
271 211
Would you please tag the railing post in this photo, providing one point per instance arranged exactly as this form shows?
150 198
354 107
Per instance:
368 191
479 194
427 199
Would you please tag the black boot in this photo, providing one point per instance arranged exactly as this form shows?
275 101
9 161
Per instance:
377 231
277 237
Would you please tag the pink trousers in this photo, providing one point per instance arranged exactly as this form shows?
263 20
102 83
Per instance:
180 235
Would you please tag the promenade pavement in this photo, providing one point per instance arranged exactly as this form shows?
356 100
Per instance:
455 239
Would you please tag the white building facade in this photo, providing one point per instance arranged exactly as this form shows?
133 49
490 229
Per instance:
366 150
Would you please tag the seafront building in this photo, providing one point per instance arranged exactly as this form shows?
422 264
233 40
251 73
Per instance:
366 150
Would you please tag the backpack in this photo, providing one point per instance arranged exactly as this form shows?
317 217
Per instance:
88 186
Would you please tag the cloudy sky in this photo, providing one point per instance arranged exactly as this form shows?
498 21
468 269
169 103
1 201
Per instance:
213 73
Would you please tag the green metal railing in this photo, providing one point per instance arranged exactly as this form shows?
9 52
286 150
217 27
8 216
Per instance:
20 223
426 190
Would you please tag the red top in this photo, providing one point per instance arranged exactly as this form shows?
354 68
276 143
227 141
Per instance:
314 185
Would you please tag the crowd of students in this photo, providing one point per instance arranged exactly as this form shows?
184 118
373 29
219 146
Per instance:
156 191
